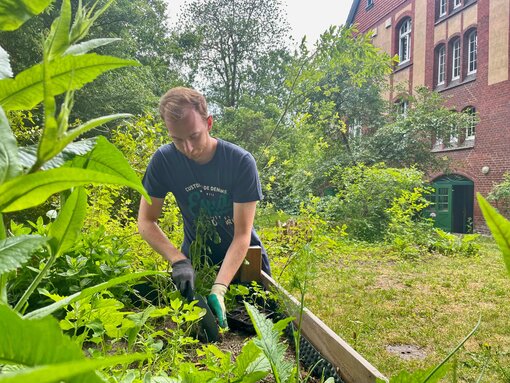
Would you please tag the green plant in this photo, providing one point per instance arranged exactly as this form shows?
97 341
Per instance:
249 366
365 195
500 195
184 316
452 244
28 182
499 227
46 354
408 230
199 251
268 340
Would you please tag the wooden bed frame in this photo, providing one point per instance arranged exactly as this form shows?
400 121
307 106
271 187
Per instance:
350 365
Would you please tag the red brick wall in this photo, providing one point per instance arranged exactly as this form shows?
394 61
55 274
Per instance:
492 143
382 9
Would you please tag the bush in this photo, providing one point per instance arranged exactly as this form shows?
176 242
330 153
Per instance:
454 244
365 195
500 194
408 231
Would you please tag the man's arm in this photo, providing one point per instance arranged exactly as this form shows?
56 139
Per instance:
244 214
149 229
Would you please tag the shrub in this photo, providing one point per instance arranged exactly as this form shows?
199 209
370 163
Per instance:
364 195
500 195
408 231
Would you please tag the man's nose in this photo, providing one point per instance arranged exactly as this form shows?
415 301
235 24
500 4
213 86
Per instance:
187 147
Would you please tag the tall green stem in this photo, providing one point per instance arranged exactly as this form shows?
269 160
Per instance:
3 277
21 303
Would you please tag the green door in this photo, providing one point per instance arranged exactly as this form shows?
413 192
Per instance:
443 206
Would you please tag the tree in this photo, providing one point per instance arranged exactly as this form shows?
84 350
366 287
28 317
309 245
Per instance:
221 43
143 31
335 86
406 138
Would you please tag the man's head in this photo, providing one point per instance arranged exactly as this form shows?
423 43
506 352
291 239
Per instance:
175 103
185 114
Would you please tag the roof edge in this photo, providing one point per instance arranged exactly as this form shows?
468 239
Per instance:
352 12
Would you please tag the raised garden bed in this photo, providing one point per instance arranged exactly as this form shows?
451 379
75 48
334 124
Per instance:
320 346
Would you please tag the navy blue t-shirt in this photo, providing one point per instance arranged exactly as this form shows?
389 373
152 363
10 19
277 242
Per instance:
230 176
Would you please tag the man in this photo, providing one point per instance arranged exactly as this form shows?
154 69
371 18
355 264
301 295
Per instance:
205 174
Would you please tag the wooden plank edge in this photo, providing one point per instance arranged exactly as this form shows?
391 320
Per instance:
351 366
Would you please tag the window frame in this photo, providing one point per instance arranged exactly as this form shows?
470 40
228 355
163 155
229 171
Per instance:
443 8
441 65
370 4
457 4
472 52
456 59
404 36
470 132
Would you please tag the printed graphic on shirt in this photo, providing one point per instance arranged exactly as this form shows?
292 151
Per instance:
215 201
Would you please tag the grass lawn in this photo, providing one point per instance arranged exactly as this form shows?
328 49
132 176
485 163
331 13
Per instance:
376 300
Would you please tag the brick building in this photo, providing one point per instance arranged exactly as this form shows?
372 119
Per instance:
459 48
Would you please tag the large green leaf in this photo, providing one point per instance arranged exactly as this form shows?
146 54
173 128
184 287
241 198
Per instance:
251 365
52 148
9 161
30 190
70 372
14 251
58 39
13 13
28 154
67 226
106 158
38 342
87 46
67 73
499 227
45 311
5 66
268 340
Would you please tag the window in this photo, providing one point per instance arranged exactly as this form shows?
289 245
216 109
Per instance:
457 3
441 65
472 52
370 3
456 60
401 107
404 46
442 7
470 130
442 199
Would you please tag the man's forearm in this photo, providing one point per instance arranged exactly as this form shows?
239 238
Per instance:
156 238
233 260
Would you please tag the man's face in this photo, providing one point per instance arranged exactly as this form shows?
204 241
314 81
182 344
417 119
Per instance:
191 135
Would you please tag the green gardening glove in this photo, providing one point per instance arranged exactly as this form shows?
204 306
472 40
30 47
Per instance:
216 301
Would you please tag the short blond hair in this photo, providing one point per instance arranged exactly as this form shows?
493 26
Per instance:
174 103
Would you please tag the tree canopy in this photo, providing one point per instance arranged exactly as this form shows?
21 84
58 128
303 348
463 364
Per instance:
223 44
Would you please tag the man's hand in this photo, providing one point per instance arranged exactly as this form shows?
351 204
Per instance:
216 301
183 276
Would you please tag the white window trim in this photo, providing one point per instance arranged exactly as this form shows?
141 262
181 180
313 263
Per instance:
442 7
441 65
370 3
471 129
438 144
407 36
457 3
456 58
470 52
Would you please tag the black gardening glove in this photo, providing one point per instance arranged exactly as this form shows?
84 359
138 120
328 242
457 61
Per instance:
183 276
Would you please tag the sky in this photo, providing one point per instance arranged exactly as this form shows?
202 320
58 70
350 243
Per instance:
309 18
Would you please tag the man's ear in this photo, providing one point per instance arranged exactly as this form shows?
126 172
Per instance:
209 122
